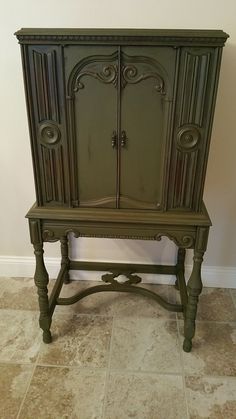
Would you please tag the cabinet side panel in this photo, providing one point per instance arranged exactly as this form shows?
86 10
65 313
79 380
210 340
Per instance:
49 138
191 135
31 123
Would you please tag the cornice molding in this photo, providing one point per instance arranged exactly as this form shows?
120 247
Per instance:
170 37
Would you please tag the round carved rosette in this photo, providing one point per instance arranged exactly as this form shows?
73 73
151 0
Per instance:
188 138
49 133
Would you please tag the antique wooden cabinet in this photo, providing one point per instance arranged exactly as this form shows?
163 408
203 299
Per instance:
120 124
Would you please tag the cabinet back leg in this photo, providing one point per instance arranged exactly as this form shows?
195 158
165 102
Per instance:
41 281
64 258
180 264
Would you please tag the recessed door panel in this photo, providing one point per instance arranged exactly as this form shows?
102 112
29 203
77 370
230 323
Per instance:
146 95
92 88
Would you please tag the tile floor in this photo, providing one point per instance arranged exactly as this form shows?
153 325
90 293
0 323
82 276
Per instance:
116 356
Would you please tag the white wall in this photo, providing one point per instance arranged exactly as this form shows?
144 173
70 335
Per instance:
16 178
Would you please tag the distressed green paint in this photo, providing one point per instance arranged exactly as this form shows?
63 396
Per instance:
120 124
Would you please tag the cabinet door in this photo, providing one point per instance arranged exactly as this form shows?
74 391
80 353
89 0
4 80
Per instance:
147 75
91 79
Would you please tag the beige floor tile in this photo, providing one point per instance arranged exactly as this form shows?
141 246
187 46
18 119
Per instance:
213 351
211 398
20 336
64 393
145 345
233 294
215 304
14 380
78 340
19 293
116 303
144 396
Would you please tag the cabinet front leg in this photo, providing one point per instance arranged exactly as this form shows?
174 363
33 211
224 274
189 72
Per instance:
64 258
41 281
194 290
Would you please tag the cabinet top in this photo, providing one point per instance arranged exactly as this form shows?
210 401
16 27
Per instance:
173 37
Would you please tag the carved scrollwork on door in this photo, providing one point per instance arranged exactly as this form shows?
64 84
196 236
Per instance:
132 70
135 69
101 67
131 74
108 74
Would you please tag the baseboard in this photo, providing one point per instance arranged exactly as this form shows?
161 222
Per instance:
212 276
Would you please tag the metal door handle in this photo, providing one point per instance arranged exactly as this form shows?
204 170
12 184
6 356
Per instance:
123 139
114 139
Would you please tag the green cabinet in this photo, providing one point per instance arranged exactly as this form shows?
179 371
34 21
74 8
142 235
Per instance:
120 123
121 126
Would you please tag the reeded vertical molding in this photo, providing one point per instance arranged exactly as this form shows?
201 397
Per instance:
31 122
46 85
66 174
195 74
53 163
216 63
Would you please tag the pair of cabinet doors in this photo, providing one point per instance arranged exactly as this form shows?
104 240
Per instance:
120 126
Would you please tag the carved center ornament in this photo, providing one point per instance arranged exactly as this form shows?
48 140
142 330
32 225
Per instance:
49 133
188 138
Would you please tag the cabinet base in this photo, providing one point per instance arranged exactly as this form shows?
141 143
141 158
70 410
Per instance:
193 235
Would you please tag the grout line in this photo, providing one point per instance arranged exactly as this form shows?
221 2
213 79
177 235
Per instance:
138 372
2 362
218 377
123 371
29 383
108 370
182 368
212 321
114 370
20 309
77 367
159 319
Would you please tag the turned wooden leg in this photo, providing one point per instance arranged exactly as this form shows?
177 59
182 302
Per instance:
180 263
41 282
194 290
64 258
